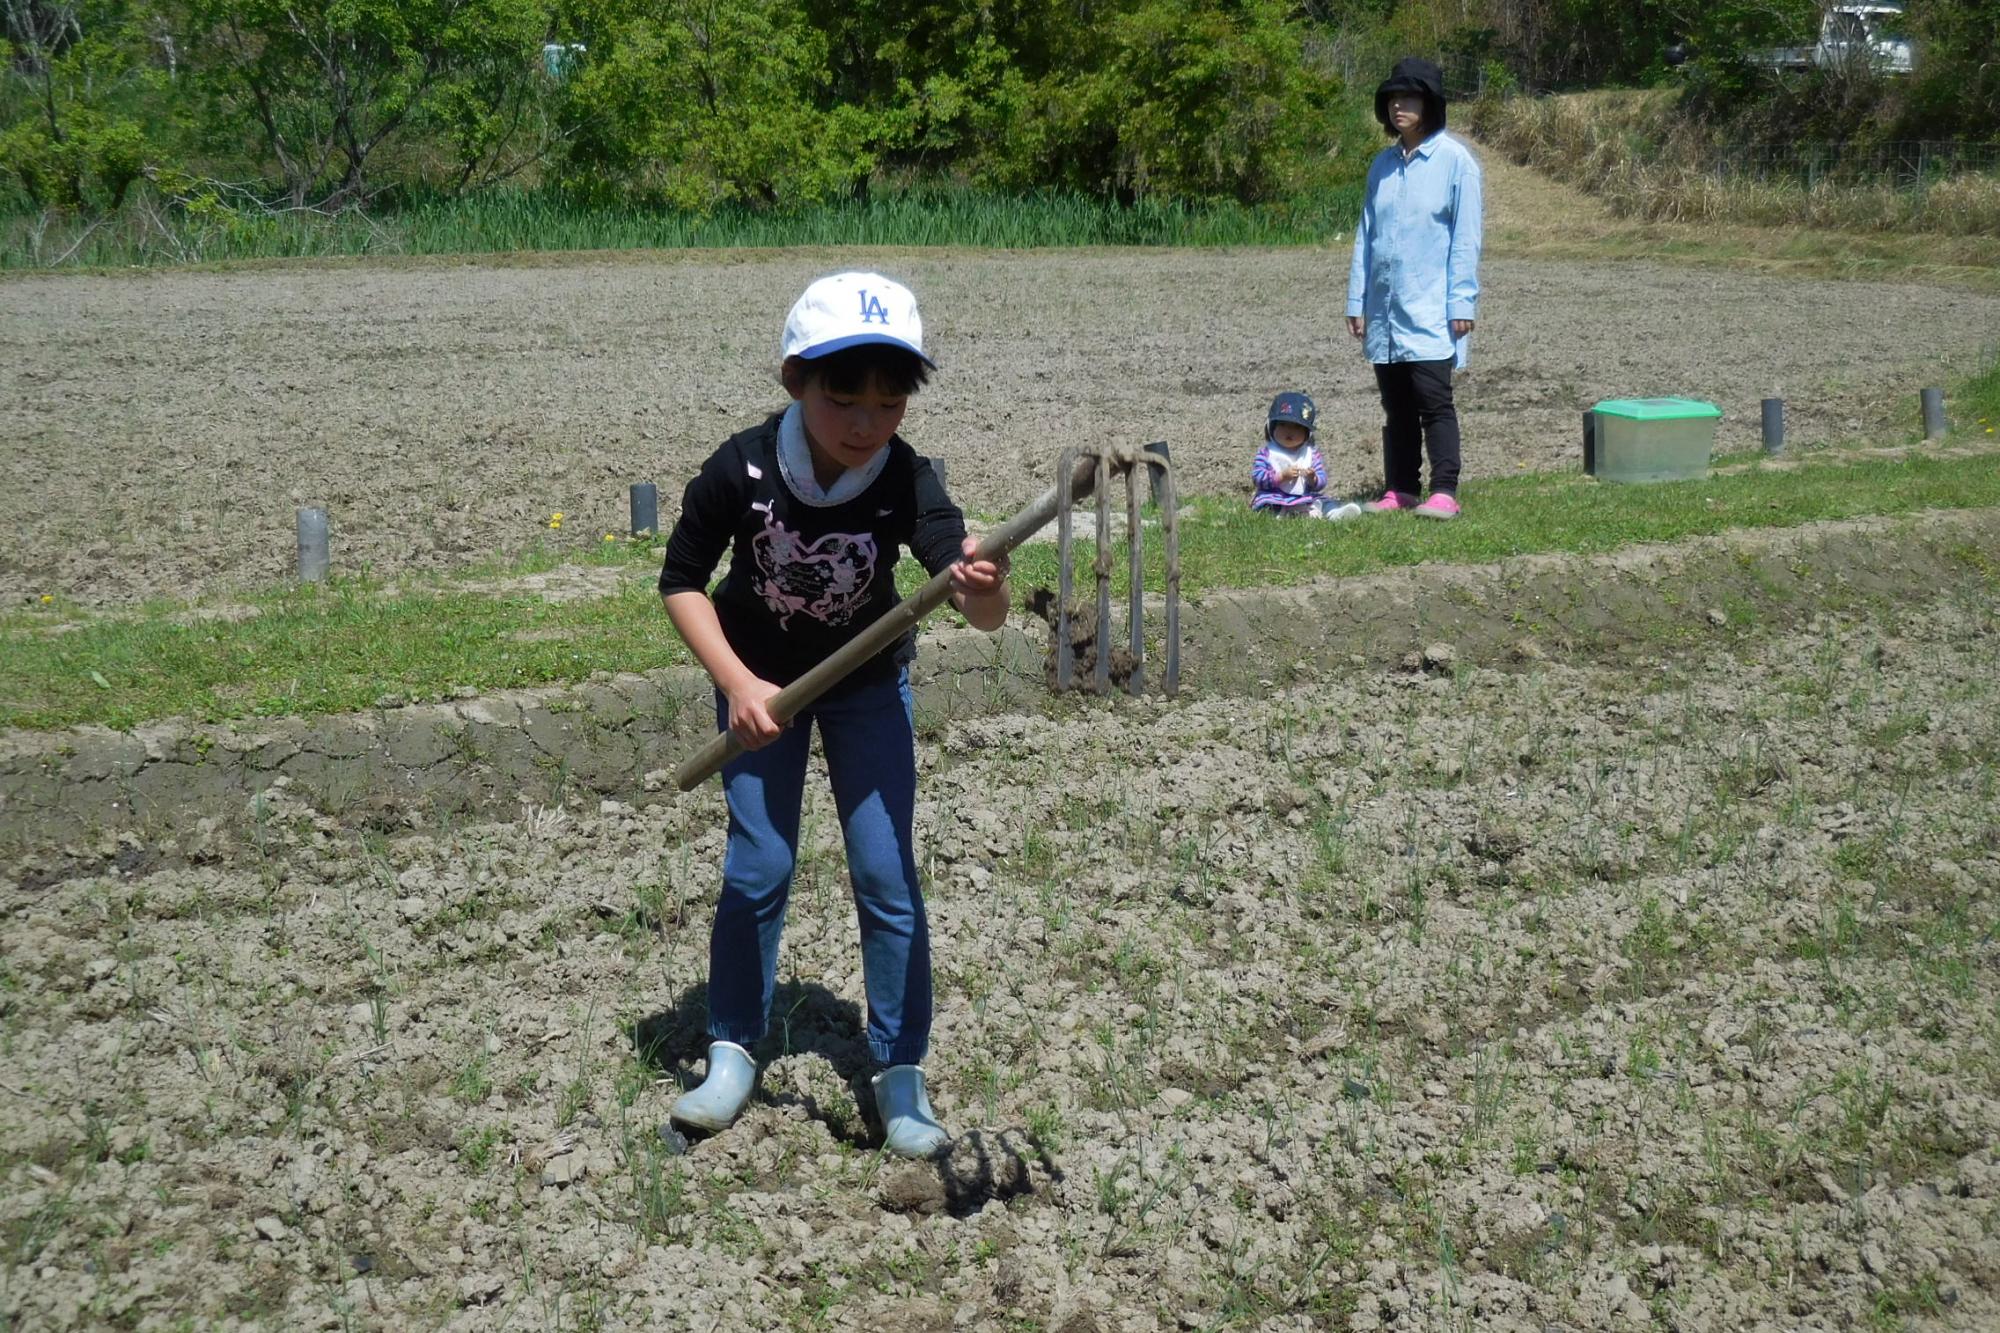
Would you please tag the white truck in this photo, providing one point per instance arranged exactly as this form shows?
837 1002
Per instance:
1868 36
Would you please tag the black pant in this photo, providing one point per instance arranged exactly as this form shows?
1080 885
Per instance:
1416 398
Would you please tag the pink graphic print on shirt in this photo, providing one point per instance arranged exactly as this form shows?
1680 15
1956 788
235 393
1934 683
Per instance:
827 580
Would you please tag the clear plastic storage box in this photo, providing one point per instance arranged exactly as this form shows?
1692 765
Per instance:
1649 439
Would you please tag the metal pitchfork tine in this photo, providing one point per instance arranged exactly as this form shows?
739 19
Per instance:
1108 463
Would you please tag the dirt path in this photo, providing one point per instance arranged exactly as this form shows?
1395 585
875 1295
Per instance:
1525 208
163 428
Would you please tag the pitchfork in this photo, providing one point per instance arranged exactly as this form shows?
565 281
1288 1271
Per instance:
1103 465
1081 472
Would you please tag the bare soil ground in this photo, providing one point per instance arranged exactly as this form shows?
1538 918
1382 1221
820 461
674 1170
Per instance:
161 429
1571 997
1577 995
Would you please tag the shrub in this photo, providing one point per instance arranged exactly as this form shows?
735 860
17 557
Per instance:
90 167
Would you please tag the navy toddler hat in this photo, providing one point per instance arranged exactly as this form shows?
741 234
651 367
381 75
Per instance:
1296 408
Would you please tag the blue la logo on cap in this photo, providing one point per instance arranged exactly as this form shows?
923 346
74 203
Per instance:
851 309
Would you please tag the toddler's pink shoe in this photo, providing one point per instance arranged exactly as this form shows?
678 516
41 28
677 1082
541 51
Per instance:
1391 501
1442 504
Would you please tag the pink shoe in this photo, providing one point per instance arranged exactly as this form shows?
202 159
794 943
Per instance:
1392 500
1442 504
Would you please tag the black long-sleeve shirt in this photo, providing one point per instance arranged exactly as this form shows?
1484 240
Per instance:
804 579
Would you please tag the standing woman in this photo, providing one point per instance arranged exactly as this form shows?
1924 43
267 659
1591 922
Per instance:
1413 288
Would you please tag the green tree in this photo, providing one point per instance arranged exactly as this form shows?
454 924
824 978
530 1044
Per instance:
1567 43
1956 89
705 103
1187 98
325 85
76 78
1212 101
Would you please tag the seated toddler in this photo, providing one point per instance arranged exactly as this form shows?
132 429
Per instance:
1288 475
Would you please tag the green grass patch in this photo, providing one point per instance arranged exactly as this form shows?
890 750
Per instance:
327 649
345 645
1225 545
1975 409
521 220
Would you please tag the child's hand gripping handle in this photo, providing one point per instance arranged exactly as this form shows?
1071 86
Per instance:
792 700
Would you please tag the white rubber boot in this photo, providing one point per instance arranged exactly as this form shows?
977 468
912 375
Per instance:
723 1094
909 1129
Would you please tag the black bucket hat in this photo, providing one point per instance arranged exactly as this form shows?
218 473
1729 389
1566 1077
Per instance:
1413 74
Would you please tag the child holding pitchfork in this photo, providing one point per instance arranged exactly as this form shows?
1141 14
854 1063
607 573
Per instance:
813 506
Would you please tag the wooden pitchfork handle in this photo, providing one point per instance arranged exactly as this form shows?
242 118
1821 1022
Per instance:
792 700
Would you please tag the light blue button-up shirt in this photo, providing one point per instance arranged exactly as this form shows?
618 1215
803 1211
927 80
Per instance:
1416 252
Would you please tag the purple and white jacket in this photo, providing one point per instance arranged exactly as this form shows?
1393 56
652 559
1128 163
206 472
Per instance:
1273 458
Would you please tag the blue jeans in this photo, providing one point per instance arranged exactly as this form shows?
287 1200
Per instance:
870 742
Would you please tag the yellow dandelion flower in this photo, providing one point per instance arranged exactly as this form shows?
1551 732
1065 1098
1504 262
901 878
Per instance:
48 597
611 536
555 522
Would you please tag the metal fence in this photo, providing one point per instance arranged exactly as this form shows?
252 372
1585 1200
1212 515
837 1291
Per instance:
1466 77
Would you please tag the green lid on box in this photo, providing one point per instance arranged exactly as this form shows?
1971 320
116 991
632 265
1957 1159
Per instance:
1657 409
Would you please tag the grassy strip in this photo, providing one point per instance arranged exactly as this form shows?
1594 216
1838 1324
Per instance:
1971 263
1534 216
508 221
330 649
1228 546
346 645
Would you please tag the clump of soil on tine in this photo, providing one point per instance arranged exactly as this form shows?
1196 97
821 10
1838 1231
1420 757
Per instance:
1042 603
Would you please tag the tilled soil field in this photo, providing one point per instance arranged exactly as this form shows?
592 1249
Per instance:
1566 997
160 430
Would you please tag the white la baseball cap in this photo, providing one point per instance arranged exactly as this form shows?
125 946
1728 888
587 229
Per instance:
849 309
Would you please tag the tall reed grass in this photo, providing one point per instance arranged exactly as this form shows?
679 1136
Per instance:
147 232
1630 150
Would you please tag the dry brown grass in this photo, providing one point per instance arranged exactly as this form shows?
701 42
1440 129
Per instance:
1531 215
1625 149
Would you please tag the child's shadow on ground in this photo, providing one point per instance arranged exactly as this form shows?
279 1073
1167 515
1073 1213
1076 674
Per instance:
806 1019
980 1166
